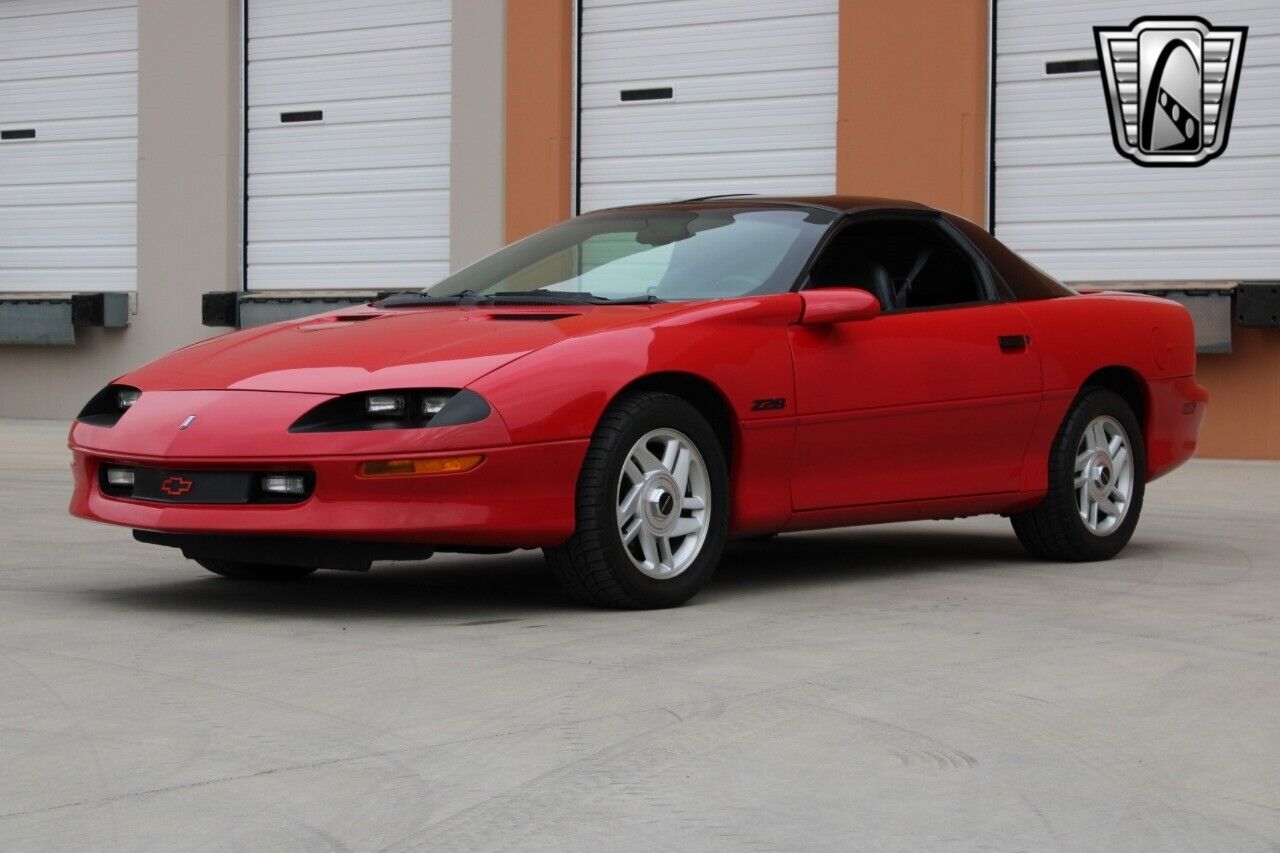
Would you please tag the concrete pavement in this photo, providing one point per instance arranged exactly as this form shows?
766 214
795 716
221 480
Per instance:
921 686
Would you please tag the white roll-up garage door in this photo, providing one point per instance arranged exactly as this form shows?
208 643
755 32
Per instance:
1068 201
348 151
68 145
690 98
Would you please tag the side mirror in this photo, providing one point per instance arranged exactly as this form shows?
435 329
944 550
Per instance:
828 305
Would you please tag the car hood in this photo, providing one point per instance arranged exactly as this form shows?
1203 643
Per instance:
367 349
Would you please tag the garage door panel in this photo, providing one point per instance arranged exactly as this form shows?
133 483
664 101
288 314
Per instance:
409 36
386 75
352 112
1098 150
679 51
1158 234
68 213
374 216
415 143
797 162
68 279
1028 26
371 215
360 198
354 181
351 276
803 82
36 163
53 134
753 105
271 18
93 192
11 9
630 15
1199 263
82 97
68 257
91 31
712 140
1072 204
707 128
397 250
1136 208
96 64
67 225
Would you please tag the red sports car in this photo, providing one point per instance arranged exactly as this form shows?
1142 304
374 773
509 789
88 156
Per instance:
630 389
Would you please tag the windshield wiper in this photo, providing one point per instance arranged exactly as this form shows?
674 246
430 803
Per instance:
539 296
410 298
571 297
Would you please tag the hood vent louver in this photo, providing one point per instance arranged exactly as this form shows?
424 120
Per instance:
529 317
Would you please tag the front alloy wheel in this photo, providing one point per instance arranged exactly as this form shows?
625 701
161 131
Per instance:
664 498
652 507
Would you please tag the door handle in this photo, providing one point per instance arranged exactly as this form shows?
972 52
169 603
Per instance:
1014 343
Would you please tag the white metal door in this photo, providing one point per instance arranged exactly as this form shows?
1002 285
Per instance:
69 152
1069 202
690 98
348 143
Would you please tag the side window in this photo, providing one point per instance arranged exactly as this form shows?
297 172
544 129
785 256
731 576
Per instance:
907 264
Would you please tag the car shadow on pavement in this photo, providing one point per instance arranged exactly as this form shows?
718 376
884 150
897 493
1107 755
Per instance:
470 588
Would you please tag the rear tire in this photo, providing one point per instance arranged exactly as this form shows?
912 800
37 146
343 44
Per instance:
255 571
1097 479
654 469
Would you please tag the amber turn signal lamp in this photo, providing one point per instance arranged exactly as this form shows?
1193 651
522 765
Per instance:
414 467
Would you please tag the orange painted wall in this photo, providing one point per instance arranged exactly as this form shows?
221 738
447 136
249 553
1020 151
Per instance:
1243 421
912 114
539 113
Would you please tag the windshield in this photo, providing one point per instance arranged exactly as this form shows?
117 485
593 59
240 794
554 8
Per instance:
648 255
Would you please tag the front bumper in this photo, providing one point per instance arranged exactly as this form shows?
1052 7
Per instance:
520 496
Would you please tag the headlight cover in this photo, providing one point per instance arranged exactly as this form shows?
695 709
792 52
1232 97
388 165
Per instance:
404 408
109 405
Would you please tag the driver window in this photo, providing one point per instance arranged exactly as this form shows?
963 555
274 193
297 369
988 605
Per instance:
906 264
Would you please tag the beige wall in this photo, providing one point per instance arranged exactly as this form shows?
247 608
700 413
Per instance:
189 139
477 197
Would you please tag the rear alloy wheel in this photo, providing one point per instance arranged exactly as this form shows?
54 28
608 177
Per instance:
652 507
1097 470
255 571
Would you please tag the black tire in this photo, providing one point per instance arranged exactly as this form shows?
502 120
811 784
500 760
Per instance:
592 565
255 571
1055 530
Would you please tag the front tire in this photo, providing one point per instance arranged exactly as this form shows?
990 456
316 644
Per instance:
1097 479
255 571
652 507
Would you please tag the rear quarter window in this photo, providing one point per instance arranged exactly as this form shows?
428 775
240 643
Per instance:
1024 279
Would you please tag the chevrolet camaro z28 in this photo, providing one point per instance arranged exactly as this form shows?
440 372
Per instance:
632 388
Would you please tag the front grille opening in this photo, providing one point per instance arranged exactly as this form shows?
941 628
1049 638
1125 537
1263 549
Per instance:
204 486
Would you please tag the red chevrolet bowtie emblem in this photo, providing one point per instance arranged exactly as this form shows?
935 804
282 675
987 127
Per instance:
176 486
